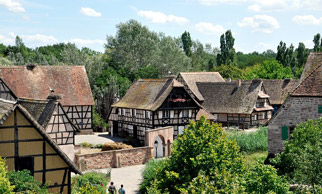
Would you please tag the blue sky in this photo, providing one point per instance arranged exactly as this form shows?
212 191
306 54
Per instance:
257 25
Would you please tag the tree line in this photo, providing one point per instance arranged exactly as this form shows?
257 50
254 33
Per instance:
137 52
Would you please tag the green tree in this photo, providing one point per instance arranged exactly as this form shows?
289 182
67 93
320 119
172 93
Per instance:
268 70
301 159
281 52
25 183
230 71
21 48
71 55
227 51
302 54
187 43
316 41
5 186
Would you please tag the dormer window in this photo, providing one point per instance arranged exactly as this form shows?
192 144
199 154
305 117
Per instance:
260 104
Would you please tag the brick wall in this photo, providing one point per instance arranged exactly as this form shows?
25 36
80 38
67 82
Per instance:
114 158
294 111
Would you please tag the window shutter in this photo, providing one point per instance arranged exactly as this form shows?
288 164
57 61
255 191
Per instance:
320 108
284 133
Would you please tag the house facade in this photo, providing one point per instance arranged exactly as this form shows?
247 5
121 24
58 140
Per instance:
25 145
150 104
278 90
237 103
37 82
304 103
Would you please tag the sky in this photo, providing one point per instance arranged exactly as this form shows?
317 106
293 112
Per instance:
257 25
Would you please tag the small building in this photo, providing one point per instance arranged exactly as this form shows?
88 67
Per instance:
151 104
278 90
190 79
37 82
238 103
54 120
304 103
25 145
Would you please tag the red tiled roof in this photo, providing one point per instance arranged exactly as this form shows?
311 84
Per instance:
311 85
70 82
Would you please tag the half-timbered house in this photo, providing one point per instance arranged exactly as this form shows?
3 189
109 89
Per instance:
240 103
304 103
190 79
150 104
37 82
25 145
53 118
278 90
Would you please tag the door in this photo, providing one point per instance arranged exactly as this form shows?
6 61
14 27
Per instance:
115 128
135 132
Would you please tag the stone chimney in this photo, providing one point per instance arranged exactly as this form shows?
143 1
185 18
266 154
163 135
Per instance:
53 97
30 66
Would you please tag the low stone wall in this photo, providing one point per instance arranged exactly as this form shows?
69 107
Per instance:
114 158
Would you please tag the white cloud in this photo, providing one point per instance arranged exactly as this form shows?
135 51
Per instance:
307 20
12 5
269 5
261 23
161 18
209 28
90 12
38 40
86 42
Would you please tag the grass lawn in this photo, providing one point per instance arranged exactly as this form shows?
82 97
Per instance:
252 158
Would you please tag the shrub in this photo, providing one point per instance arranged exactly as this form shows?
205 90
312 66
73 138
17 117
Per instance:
98 146
5 186
91 181
252 141
115 146
150 173
25 183
98 122
86 145
301 160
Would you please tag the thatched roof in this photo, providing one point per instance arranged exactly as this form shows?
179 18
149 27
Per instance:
147 94
279 89
314 60
191 79
204 112
311 85
35 82
39 129
228 97
5 109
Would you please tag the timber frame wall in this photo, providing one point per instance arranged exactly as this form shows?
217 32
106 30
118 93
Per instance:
134 122
82 116
24 147
5 92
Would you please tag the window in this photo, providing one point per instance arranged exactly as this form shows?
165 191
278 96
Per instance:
185 113
255 117
133 112
27 163
117 111
180 129
260 104
320 108
123 111
166 114
147 114
284 133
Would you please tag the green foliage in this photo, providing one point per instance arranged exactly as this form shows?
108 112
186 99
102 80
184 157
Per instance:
301 160
91 182
204 160
250 142
264 179
251 59
317 40
227 51
187 43
230 71
98 122
25 183
268 70
86 145
5 186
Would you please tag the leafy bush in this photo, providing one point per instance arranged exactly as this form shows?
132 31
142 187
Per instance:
91 181
98 122
25 183
98 146
5 186
252 141
301 160
86 145
204 161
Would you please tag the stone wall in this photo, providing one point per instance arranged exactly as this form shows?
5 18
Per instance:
114 158
294 111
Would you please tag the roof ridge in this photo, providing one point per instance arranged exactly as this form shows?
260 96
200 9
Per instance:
306 78
196 72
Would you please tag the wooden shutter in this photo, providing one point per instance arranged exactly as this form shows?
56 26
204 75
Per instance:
320 108
284 133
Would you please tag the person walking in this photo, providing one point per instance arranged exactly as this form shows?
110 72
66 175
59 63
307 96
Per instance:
121 190
111 189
